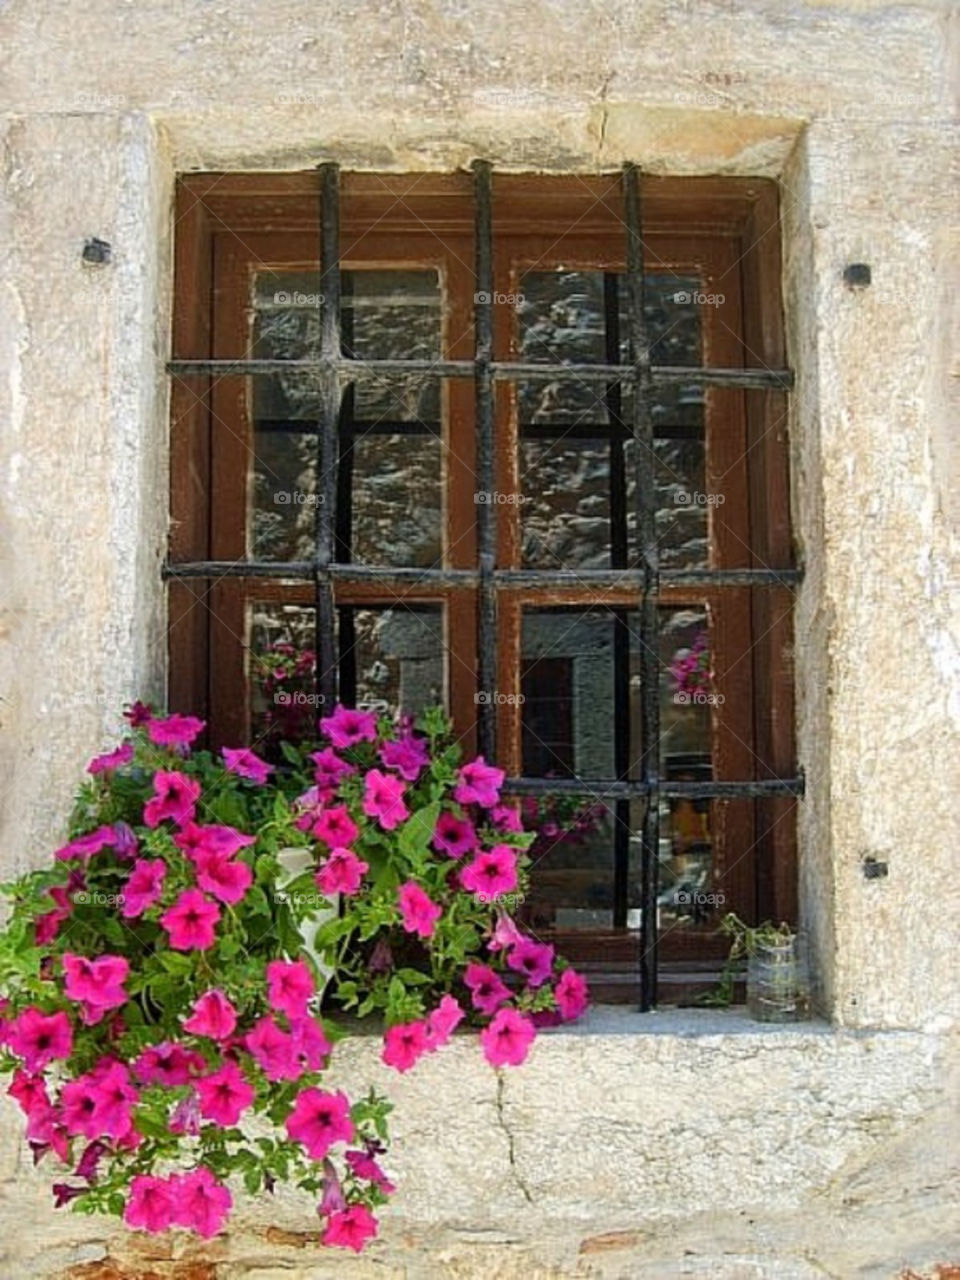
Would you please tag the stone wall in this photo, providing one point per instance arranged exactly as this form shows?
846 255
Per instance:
817 1152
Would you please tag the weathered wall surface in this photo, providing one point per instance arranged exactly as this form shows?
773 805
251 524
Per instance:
801 1155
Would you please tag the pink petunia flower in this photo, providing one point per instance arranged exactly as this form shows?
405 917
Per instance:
40 1038
175 730
224 1095
78 1101
506 818
169 1064
194 838
93 1153
185 1119
97 985
487 989
47 926
364 1166
351 1228
191 922
443 1021
144 887
200 1202
309 1043
213 1016
290 986
479 783
572 995
454 836
405 1044
319 1120
533 959
174 797
273 1050
308 807
407 755
219 875
336 828
342 872
84 847
150 1206
138 713
111 760
329 769
115 1096
247 764
507 1040
332 1199
383 799
505 933
420 913
346 727
125 843
492 873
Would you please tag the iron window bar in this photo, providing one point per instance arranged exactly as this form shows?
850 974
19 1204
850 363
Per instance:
337 371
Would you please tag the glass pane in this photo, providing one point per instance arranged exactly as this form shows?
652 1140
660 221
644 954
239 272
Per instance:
576 456
281 666
389 491
395 658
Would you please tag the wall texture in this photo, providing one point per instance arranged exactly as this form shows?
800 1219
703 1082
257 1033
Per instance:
724 1153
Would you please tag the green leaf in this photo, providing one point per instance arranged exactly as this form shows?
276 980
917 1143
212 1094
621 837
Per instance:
417 832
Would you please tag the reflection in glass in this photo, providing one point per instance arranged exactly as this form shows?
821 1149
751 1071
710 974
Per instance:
390 464
577 465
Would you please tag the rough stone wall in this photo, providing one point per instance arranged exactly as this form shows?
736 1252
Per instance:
696 1153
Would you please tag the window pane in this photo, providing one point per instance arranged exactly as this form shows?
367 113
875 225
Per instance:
577 462
281 667
390 469
393 659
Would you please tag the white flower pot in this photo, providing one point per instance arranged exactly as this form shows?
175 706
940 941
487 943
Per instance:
294 861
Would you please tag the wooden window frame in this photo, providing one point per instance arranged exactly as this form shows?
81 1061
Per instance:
722 228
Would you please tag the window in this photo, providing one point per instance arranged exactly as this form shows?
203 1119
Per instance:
496 442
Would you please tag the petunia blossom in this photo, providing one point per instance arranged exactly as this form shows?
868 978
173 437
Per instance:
507 1040
174 798
247 764
479 783
224 1095
174 730
405 1044
168 1063
506 818
115 1096
273 1050
346 727
329 769
290 986
383 799
420 913
213 1016
200 1202
443 1021
454 836
504 934
111 760
144 887
342 872
571 994
40 1038
194 838
309 1044
351 1228
219 875
407 755
533 959
97 985
488 991
150 1206
335 827
492 873
191 921
364 1166
319 1120
83 847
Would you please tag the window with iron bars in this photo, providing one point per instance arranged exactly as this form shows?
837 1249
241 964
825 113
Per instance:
515 444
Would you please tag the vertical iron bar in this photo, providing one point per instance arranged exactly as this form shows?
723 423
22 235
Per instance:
485 471
649 621
328 430
343 526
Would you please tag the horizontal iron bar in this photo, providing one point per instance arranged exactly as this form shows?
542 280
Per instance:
372 370
507 579
756 789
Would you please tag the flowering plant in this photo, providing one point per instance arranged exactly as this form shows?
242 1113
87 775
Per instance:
690 668
161 1014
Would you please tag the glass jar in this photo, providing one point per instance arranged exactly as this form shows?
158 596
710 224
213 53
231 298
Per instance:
778 982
